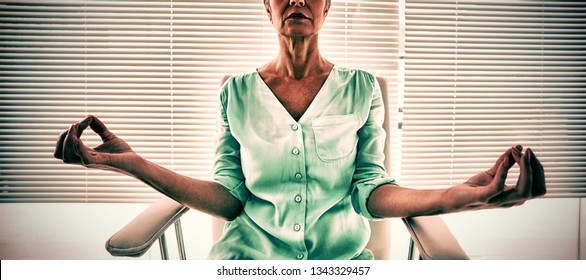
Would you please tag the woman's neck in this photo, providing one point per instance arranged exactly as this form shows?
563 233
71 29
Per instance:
298 58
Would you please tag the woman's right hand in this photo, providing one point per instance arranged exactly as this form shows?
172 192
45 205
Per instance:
116 155
113 154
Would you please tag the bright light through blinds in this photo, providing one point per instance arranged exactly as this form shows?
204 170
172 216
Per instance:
482 76
151 71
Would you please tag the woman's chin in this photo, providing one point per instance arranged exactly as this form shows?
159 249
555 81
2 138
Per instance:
297 32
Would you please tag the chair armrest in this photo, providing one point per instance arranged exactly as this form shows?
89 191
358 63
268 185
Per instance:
433 239
134 239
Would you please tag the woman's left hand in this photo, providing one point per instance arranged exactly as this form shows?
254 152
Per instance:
488 189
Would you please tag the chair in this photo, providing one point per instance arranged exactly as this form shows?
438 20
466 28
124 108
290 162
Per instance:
430 239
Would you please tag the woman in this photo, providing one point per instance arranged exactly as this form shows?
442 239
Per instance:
299 157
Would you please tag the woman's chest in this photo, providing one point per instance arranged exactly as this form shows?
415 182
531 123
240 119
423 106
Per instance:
296 96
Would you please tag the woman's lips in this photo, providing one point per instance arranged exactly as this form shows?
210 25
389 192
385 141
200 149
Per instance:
297 16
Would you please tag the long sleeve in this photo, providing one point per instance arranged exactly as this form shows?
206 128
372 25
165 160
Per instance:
370 171
227 165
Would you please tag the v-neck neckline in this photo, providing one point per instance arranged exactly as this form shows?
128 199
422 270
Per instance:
311 104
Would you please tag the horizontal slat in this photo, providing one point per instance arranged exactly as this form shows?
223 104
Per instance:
481 76
124 57
151 71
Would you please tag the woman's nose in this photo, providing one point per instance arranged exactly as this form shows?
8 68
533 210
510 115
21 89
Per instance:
301 3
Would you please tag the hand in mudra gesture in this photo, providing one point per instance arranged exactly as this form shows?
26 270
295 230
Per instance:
109 155
488 189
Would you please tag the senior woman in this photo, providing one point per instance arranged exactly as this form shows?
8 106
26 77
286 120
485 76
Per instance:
299 157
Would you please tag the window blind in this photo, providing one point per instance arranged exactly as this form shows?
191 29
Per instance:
151 71
482 76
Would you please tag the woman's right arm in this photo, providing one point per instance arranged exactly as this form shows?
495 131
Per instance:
115 154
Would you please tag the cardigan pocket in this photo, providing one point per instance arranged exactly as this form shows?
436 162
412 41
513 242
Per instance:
335 136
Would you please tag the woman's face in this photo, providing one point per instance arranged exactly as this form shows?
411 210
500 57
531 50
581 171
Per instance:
294 20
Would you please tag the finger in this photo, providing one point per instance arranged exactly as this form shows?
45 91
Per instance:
498 182
70 148
100 128
519 148
83 152
516 153
82 125
538 188
506 155
58 153
524 182
68 152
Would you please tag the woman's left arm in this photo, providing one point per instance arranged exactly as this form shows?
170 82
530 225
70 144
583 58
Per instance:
484 190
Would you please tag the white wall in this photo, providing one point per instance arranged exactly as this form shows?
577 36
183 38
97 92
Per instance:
79 231
583 229
540 229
